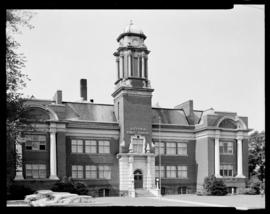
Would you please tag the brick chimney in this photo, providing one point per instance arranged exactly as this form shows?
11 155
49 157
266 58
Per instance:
58 97
83 84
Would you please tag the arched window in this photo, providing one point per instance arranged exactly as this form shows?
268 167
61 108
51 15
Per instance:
228 123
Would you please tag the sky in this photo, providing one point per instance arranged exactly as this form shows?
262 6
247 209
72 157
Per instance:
213 57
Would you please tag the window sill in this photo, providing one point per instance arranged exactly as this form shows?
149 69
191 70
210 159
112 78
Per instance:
35 150
91 179
175 178
172 155
91 153
37 179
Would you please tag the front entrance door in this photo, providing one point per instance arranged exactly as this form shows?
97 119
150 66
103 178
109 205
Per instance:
138 179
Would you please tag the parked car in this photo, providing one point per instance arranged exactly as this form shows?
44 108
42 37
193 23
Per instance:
51 198
37 195
80 200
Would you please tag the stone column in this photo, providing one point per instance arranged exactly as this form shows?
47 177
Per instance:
148 177
19 169
217 161
117 68
121 66
53 158
239 158
129 65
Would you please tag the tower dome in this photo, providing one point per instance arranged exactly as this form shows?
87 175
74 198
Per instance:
131 28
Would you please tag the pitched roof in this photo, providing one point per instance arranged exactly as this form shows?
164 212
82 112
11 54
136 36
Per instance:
90 112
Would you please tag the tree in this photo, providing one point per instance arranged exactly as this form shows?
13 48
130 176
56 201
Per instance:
256 156
15 81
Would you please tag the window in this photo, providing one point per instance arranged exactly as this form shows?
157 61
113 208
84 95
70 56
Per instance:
171 171
226 147
181 148
135 67
35 171
103 147
171 149
182 171
77 171
226 170
76 146
35 143
91 172
162 172
162 148
104 172
137 145
90 146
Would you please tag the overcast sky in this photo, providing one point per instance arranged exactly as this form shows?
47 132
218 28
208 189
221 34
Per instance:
214 57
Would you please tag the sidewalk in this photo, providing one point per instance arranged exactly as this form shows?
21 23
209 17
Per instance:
238 201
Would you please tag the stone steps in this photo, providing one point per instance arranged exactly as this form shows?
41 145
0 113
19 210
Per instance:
143 193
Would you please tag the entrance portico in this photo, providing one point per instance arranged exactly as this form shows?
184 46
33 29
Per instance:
136 171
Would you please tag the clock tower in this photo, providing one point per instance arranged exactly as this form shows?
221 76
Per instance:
133 111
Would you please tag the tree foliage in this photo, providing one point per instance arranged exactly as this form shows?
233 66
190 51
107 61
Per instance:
15 80
256 156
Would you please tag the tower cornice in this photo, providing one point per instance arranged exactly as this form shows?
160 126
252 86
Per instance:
131 90
132 48
130 34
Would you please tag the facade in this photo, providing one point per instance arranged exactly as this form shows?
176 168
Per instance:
129 145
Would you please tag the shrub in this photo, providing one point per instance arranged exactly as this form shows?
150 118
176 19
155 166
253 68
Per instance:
19 191
68 185
63 187
250 191
80 188
214 186
255 185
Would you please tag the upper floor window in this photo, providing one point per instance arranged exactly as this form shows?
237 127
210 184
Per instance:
226 170
76 146
161 171
35 143
35 171
226 147
91 172
171 148
104 172
182 171
104 147
90 146
77 171
171 171
159 148
181 148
